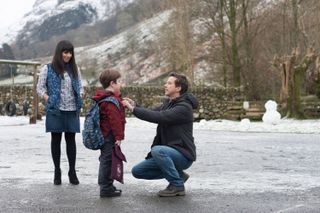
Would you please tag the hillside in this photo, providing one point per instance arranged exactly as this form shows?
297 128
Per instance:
248 44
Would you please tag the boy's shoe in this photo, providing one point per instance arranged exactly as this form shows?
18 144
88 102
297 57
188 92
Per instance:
73 179
185 176
114 193
57 177
172 191
115 189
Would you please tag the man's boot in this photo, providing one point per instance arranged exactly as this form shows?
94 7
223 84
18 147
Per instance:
172 191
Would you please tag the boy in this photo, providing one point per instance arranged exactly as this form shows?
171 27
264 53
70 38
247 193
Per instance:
112 124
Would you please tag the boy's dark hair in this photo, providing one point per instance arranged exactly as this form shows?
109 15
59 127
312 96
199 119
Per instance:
107 76
181 81
57 61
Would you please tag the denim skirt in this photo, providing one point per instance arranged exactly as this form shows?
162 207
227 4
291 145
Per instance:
65 121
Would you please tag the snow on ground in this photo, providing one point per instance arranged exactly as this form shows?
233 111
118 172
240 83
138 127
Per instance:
228 162
285 125
19 79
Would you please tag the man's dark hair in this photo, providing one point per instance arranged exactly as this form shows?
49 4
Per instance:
181 81
107 76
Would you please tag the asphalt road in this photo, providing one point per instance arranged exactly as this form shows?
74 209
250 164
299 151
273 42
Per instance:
234 172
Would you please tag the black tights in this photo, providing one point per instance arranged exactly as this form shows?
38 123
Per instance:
56 149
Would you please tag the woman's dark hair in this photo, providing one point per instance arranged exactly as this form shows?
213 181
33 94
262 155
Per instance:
107 76
57 61
181 81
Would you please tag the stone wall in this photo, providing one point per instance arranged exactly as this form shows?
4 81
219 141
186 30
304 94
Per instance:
214 103
20 95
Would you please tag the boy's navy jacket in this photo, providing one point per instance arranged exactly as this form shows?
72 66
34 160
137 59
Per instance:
111 118
175 123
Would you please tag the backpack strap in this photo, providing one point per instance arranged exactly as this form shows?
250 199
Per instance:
112 100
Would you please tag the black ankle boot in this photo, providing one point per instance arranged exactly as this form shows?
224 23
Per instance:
73 179
57 177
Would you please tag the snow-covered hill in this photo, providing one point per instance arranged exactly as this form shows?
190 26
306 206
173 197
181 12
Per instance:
50 17
133 49
135 67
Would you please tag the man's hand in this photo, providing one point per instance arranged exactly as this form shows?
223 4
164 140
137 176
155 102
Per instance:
128 103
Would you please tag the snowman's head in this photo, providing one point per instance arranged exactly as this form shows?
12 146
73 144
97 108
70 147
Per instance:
271 105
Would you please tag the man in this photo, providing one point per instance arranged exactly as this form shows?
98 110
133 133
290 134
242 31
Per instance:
173 149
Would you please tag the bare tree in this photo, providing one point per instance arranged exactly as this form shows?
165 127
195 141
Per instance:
176 38
294 67
234 25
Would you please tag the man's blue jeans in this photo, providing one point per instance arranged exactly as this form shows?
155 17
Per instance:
166 162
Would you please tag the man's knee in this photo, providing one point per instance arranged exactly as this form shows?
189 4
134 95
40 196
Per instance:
156 151
136 172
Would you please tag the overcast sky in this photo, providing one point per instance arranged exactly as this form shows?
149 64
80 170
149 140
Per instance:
12 10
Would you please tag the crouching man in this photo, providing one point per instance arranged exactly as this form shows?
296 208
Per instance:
173 149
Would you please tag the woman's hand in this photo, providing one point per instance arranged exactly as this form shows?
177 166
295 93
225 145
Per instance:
46 97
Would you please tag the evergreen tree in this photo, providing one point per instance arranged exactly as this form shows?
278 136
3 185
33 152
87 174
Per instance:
7 53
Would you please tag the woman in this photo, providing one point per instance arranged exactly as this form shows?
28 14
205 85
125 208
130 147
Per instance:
60 86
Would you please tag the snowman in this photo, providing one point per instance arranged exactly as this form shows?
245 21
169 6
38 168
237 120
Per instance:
271 116
245 124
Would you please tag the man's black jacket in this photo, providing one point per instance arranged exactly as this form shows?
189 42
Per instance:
175 123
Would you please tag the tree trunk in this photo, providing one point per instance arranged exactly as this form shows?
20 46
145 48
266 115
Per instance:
223 43
184 42
295 39
236 68
292 74
296 110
